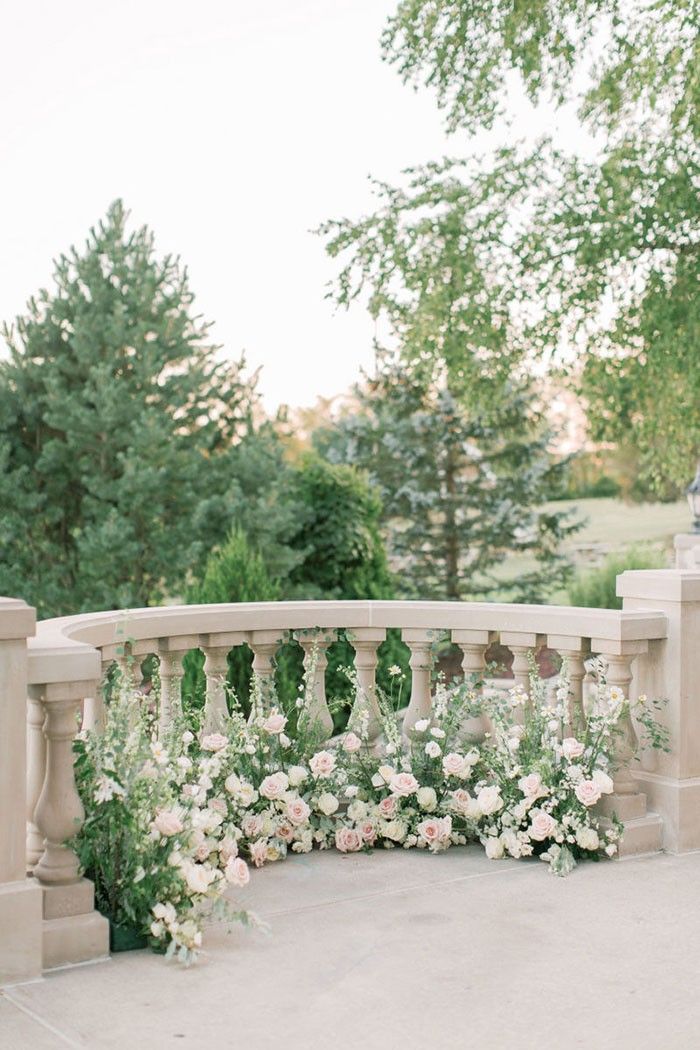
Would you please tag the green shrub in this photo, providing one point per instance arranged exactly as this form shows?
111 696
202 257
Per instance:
595 588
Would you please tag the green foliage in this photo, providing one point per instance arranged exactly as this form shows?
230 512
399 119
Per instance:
606 255
596 588
235 573
338 533
118 422
460 487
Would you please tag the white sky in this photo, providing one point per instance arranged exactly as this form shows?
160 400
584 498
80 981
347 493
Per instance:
231 128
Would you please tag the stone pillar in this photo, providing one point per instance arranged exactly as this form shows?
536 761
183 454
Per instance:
671 670
72 930
365 641
315 646
687 546
419 641
20 897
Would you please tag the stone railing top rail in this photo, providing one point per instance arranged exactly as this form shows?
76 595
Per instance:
68 648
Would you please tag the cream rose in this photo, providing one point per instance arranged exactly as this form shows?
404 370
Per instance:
297 774
327 803
602 781
214 742
351 743
587 838
427 799
489 800
493 847
168 822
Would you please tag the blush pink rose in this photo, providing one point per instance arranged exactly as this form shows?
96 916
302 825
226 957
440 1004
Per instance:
587 792
297 811
571 747
351 743
258 852
403 784
275 723
214 742
274 786
531 786
348 840
237 872
368 832
322 764
168 822
252 825
454 765
387 806
542 825
285 832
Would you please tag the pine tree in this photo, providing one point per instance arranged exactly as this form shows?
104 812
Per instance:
118 421
461 489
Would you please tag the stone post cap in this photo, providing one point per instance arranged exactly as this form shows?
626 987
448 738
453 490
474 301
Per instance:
670 585
684 541
17 619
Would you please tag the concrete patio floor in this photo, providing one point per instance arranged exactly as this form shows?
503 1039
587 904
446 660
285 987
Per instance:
401 951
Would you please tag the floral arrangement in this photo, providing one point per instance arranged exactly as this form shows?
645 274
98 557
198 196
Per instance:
171 823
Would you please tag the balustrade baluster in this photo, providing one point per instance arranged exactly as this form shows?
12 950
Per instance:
619 673
315 646
421 704
59 812
36 771
573 650
365 641
170 686
474 645
264 645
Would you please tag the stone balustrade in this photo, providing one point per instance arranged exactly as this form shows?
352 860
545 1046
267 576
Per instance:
647 644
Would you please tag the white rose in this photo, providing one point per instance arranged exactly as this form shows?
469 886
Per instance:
421 725
587 838
427 799
432 749
357 811
395 830
489 800
602 781
327 803
438 733
493 847
296 775
455 765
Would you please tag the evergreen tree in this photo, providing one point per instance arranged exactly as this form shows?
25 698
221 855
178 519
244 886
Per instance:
117 423
461 489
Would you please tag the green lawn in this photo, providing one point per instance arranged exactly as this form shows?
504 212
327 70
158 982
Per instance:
609 526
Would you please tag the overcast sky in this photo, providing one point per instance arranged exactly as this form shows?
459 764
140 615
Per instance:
232 128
